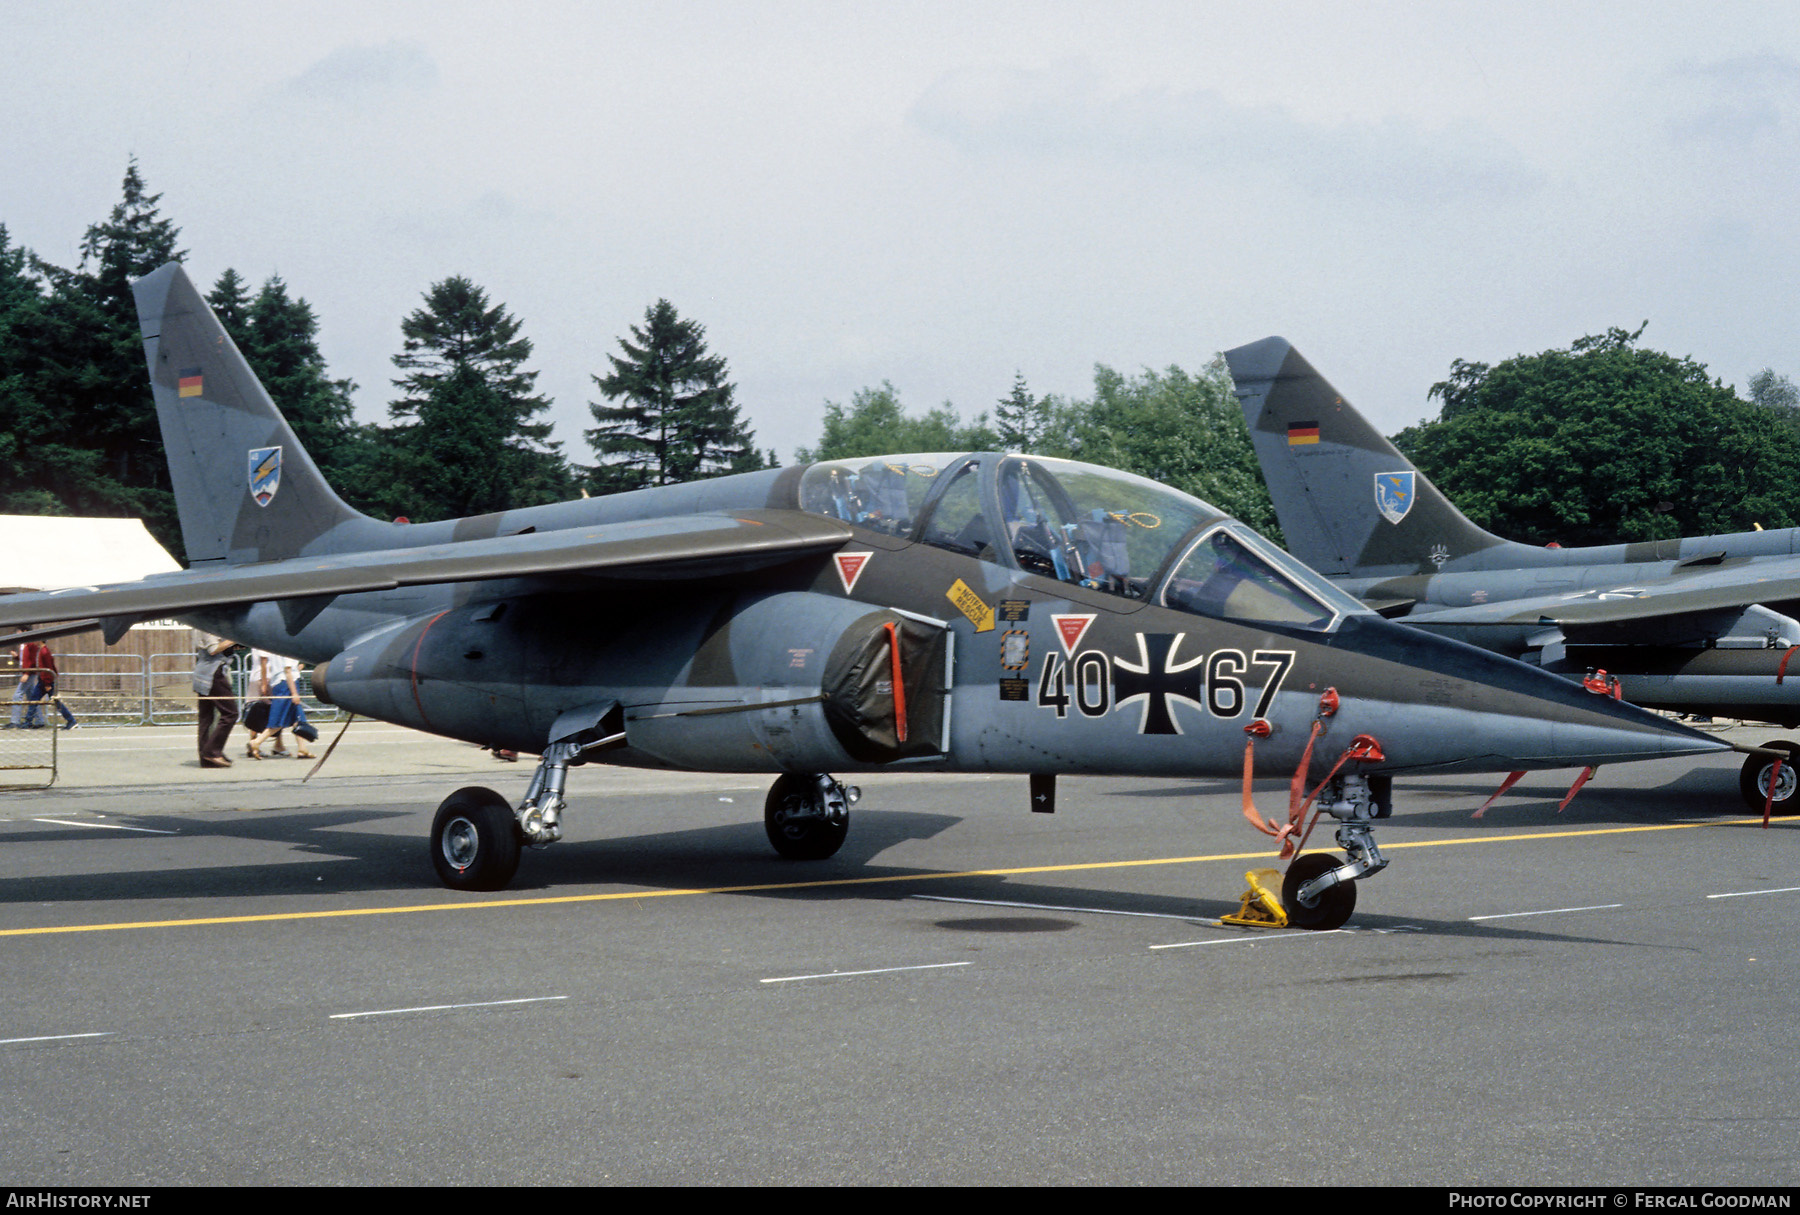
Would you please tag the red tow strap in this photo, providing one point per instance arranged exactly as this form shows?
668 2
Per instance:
1363 747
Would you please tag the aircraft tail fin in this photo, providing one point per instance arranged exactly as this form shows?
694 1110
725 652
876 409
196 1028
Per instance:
1348 502
245 489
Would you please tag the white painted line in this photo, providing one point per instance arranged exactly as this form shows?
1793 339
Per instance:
53 1038
1154 915
388 1012
63 822
1513 915
1253 937
846 974
1744 894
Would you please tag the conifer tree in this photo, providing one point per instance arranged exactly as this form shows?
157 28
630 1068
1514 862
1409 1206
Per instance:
278 336
678 421
285 337
464 442
97 446
21 318
1020 419
230 301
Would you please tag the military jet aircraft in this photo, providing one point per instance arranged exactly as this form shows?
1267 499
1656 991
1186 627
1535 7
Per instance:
954 612
1702 625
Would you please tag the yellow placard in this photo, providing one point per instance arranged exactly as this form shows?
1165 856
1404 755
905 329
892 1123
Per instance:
980 614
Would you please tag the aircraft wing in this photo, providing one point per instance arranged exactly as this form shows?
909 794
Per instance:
683 546
1761 581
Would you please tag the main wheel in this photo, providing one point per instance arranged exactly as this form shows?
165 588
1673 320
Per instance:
475 840
1753 781
1331 908
794 829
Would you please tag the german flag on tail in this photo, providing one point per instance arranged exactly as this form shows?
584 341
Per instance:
1301 433
191 383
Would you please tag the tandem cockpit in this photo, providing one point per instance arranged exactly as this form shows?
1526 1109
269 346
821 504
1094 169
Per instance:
1094 527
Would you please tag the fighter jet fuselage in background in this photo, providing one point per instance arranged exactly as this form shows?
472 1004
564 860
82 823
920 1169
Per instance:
1702 625
963 612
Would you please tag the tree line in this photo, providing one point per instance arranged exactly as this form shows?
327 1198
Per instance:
1598 442
464 435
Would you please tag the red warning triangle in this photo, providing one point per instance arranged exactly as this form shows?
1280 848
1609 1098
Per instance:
850 568
1071 629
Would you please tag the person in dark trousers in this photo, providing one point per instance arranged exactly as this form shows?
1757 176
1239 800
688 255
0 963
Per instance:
37 685
24 707
218 705
45 662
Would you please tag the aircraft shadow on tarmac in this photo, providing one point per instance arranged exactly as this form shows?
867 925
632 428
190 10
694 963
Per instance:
353 861
1530 803
338 857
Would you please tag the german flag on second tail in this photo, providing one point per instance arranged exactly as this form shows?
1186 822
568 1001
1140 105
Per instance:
1302 432
191 383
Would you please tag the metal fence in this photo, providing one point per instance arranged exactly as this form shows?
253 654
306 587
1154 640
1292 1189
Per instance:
27 757
150 690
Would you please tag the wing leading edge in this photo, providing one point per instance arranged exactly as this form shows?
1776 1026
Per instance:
685 546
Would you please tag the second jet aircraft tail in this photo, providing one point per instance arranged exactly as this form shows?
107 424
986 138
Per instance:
1348 502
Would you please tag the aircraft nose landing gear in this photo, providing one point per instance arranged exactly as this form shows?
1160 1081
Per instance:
807 815
1319 892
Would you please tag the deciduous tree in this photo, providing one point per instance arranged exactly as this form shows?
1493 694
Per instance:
1603 442
875 423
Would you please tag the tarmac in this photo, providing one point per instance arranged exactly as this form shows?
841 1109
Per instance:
237 977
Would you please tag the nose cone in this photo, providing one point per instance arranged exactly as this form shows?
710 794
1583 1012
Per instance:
1455 708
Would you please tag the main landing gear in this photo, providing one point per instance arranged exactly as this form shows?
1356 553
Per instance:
477 836
807 816
1753 781
1319 891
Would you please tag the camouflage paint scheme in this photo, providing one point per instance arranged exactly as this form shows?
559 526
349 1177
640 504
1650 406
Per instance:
738 624
1702 624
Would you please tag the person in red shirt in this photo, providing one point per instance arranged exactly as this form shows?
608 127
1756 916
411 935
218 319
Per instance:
37 684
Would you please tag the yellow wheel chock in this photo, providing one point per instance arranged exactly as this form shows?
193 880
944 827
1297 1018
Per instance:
1261 906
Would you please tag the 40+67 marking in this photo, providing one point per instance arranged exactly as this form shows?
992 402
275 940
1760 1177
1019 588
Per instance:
1097 683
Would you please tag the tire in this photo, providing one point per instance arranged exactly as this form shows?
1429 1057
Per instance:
1753 780
799 839
1332 908
475 841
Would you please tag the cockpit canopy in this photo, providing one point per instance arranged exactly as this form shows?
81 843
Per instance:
1077 523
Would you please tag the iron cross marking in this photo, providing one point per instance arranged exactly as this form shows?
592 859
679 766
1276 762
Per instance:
1155 679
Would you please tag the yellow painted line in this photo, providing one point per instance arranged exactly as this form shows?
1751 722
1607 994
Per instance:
551 900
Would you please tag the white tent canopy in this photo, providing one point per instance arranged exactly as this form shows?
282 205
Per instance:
48 552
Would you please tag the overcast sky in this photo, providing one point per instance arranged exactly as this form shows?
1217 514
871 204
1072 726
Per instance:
940 195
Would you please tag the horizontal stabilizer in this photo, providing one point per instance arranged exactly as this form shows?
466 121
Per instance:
1709 589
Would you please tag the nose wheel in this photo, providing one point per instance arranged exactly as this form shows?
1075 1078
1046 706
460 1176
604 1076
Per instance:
1329 908
1319 891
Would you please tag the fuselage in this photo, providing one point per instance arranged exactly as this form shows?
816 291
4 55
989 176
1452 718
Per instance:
1035 615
